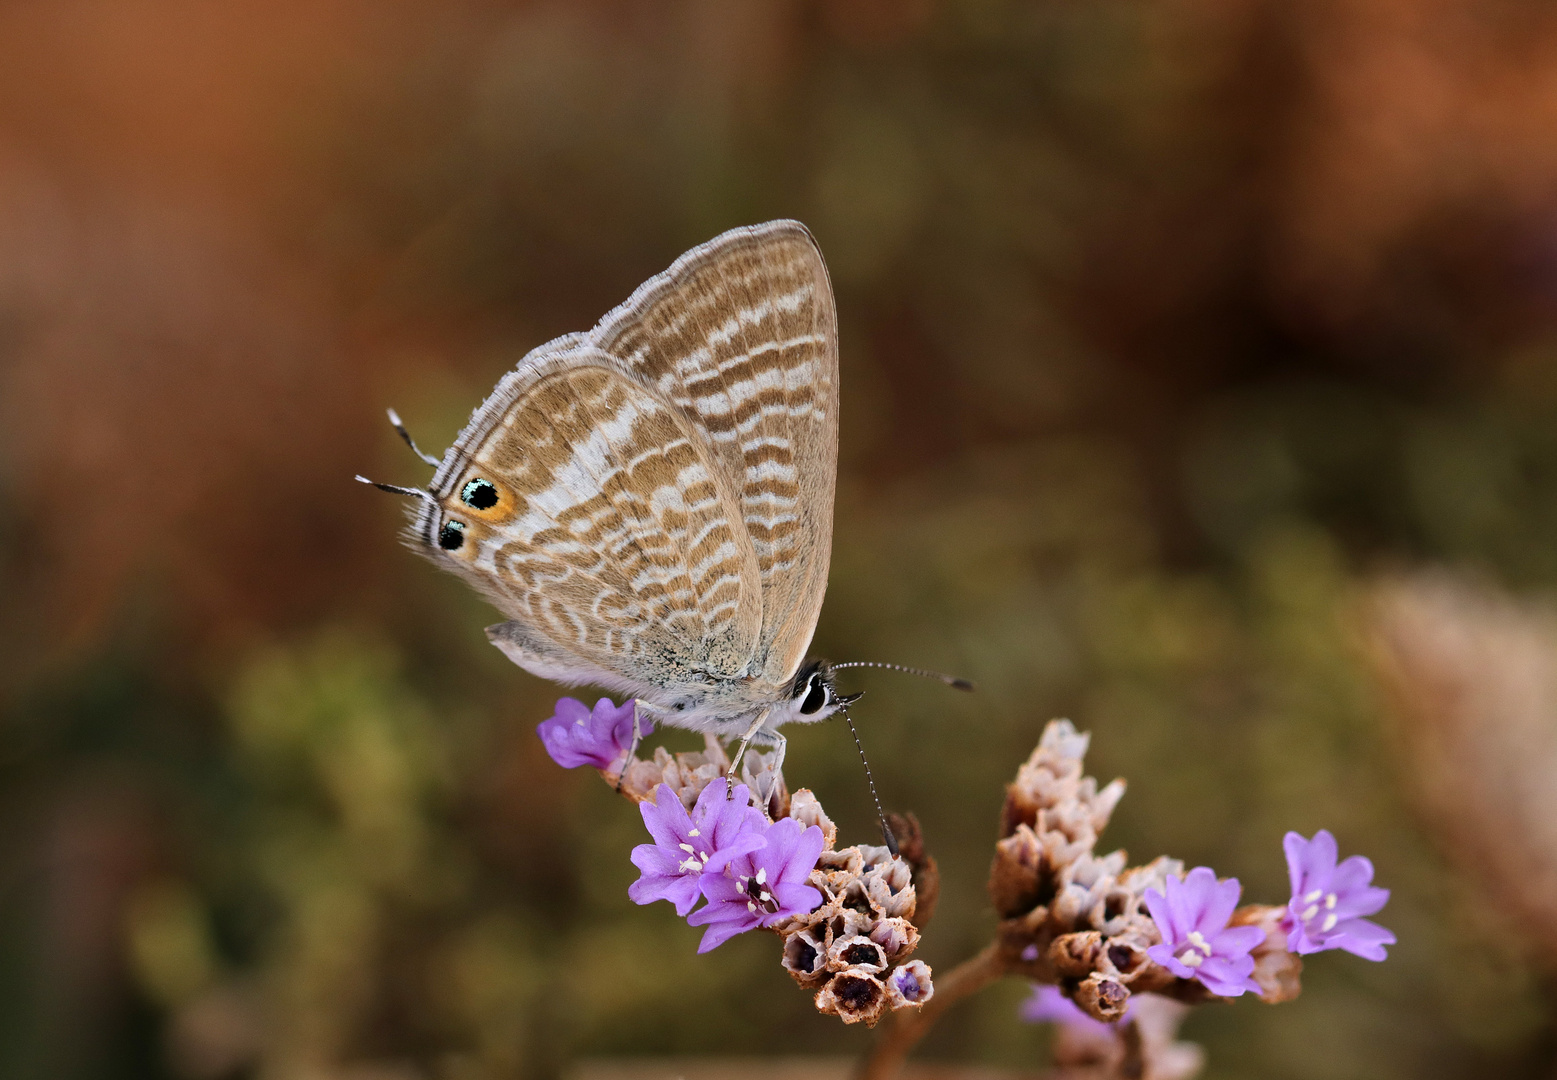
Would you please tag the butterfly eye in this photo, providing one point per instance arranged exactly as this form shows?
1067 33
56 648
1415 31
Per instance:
451 536
482 494
816 697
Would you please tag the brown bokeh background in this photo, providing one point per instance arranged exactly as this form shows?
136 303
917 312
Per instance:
1200 383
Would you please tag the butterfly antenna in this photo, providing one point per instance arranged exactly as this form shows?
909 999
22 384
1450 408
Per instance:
415 493
881 815
950 680
394 418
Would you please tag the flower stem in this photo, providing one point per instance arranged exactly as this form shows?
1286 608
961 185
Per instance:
904 1029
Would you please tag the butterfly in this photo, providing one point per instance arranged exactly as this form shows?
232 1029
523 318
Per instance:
650 503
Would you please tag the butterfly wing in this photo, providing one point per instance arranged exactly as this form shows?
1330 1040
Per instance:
741 335
593 514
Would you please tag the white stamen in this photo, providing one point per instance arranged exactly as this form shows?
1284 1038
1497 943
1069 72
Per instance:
1315 895
1330 902
1328 924
694 832
1309 912
1199 950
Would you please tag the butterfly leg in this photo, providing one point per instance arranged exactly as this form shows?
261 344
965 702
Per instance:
735 763
766 780
632 751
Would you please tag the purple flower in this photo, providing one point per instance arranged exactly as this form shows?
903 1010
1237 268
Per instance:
909 984
1328 901
576 736
761 887
1197 943
688 846
1049 1005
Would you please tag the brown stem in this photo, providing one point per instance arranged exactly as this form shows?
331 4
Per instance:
904 1029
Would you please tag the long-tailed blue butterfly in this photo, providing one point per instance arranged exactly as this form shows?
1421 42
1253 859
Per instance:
651 502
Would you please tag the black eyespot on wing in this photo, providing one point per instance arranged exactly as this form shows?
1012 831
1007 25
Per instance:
816 697
451 536
481 494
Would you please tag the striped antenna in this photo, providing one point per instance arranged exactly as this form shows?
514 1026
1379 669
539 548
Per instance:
394 418
415 493
881 815
950 680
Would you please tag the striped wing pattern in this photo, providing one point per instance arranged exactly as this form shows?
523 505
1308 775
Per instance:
741 334
665 481
615 536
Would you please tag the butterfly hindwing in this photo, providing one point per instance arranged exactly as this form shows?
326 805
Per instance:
741 335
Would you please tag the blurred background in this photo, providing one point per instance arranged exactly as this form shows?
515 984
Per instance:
1200 384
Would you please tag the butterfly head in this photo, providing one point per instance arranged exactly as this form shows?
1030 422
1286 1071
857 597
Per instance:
812 695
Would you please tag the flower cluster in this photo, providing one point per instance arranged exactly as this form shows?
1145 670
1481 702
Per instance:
845 916
1102 931
1121 950
752 872
844 948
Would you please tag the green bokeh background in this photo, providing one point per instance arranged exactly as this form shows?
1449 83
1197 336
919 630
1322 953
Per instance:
1166 326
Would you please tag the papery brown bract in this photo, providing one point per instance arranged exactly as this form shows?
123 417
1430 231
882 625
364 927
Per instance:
863 927
687 774
1070 916
1278 971
854 997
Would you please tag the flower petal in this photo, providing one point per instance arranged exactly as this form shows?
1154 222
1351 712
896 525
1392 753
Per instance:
712 800
681 890
1353 874
1365 901
743 844
1295 845
1235 941
1162 914
722 890
1299 941
803 852
1363 938
1163 955
1220 904
793 900
1319 861
1228 977
654 860
666 819
718 932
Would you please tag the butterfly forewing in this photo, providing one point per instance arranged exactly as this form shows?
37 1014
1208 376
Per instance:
741 334
614 535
